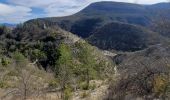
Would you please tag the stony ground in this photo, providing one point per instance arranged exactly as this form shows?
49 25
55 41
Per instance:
96 94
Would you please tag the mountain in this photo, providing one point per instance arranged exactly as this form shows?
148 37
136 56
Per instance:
159 6
97 15
57 56
104 12
8 25
124 37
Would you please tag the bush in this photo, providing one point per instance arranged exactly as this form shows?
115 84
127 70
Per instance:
3 84
84 94
38 54
4 62
67 93
18 56
53 83
84 86
92 86
19 59
160 84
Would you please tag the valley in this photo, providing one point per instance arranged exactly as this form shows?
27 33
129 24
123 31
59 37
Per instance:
107 51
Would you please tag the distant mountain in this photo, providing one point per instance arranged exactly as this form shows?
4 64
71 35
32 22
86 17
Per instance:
8 25
115 11
160 6
87 22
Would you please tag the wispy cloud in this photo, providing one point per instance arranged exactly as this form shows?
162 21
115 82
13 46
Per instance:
54 7
22 10
12 13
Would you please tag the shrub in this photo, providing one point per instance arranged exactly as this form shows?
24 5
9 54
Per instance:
53 83
19 59
160 84
92 86
84 86
67 93
38 54
84 94
3 84
4 62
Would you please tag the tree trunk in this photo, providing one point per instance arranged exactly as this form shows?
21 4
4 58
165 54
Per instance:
25 91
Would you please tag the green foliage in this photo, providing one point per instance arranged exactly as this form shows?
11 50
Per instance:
3 84
19 59
5 62
83 86
53 83
84 94
52 53
64 63
18 56
64 69
38 54
92 86
67 93
32 41
65 54
88 62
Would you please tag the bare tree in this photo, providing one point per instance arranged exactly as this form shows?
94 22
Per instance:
142 80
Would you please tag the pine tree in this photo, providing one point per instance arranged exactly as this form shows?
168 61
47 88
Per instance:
88 62
64 67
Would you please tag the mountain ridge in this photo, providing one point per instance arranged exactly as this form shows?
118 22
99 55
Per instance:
96 15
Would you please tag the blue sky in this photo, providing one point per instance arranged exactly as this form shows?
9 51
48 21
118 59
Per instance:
17 11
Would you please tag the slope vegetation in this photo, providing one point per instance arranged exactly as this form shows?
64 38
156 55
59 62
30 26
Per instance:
124 37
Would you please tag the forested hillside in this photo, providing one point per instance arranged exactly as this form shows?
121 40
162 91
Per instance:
107 51
90 20
43 52
124 37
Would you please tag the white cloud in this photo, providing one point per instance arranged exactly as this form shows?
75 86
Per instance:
39 3
67 7
63 8
43 3
19 10
11 13
54 7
